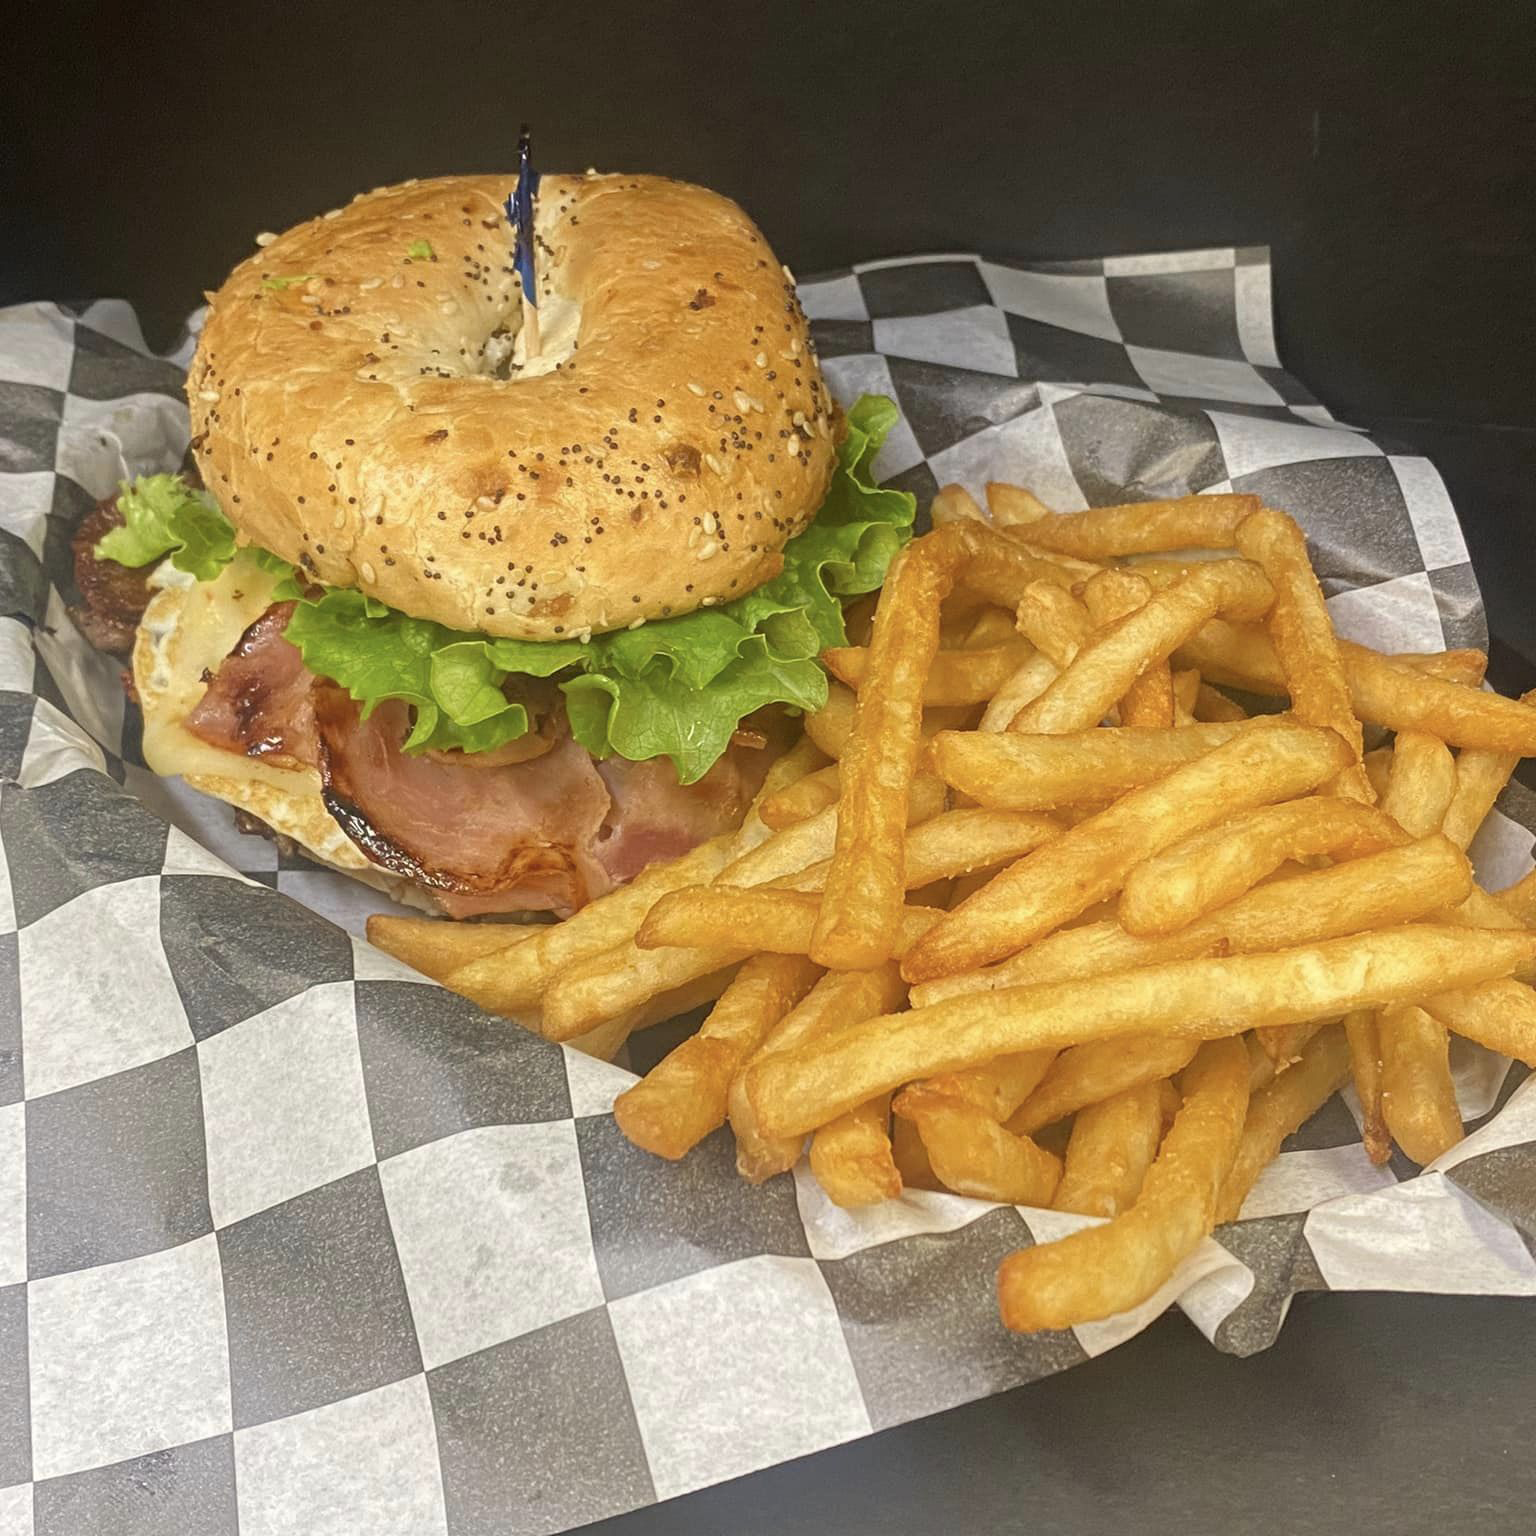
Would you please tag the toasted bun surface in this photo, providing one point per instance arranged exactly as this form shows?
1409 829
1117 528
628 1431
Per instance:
192 626
351 421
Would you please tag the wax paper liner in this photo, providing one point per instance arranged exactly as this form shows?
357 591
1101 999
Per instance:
291 1240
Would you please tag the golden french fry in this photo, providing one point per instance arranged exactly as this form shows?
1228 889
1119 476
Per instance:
1519 899
1213 705
971 1154
1498 1014
1282 1106
1398 885
1402 693
1103 1270
954 504
998 1087
911 1156
954 677
1186 694
1092 1073
603 1042
1197 999
1211 868
993 626
1378 769
1418 1098
513 980
437 947
830 725
1363 1036
1145 527
1111 1147
838 999
777 921
1054 621
801 799
605 985
1303 638
683 1097
1089 862
860 920
1111 596
1480 780
1042 773
852 1159
1013 506
1281 1045
1026 685
1114 658
1421 784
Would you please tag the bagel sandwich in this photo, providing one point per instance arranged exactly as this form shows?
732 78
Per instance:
494 623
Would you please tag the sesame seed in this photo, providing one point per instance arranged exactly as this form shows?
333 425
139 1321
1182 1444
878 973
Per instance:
743 401
340 519
794 446
697 389
207 394
266 237
365 571
708 549
761 359
714 463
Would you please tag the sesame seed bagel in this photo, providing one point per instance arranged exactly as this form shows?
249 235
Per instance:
364 404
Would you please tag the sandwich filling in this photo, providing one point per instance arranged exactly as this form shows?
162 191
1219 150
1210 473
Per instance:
498 775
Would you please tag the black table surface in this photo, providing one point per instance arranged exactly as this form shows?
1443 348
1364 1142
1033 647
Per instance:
1384 154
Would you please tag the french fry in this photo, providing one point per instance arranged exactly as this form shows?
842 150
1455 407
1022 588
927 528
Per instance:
1418 1098
1421 784
1196 999
801 799
512 981
437 947
1042 773
954 504
852 1159
971 1154
911 1156
778 921
1412 1092
1025 686
1498 1014
1378 769
1111 596
1145 527
830 725
1480 780
1103 1270
1397 692
955 677
1054 622
993 626
1186 695
606 985
1278 1047
1090 1074
839 998
1519 899
1282 1106
1362 1033
1111 1147
1211 868
1089 862
996 1088
860 921
1303 638
1114 658
683 1097
1013 506
1212 704
1379 890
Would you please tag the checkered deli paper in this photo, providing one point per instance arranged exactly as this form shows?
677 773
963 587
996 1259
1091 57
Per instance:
293 1241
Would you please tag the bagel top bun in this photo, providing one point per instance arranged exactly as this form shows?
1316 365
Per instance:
363 404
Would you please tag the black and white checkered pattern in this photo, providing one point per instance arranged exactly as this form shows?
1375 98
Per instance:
291 1240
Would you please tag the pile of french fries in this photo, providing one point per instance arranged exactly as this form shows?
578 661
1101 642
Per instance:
1048 908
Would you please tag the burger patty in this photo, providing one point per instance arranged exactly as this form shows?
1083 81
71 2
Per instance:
113 597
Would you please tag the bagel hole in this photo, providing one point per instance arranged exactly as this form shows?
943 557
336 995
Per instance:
496 354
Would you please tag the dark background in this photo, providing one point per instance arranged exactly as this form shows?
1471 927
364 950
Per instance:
1383 152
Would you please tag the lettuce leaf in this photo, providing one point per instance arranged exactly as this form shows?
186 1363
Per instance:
673 688
164 516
